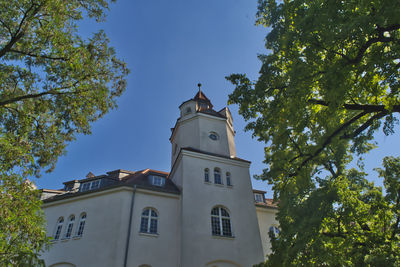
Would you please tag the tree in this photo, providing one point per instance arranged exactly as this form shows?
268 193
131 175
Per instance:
22 234
53 85
328 85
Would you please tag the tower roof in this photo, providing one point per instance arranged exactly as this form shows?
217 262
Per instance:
201 97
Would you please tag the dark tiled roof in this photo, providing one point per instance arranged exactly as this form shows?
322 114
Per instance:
211 112
137 179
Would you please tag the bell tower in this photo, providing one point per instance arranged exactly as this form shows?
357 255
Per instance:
201 128
213 183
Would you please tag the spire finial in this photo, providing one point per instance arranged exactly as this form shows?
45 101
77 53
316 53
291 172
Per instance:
199 85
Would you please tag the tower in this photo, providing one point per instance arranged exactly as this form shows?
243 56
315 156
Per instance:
218 218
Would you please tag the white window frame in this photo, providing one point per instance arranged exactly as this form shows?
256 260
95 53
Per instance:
59 225
220 219
95 184
217 171
81 225
157 180
228 179
149 217
70 227
206 175
259 198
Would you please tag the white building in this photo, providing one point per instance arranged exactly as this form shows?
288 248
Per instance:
203 213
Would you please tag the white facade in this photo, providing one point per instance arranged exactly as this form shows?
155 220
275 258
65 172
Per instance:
203 213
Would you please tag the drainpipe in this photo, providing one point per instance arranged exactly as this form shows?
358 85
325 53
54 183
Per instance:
129 227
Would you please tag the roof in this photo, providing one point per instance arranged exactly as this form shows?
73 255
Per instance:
268 203
201 96
138 179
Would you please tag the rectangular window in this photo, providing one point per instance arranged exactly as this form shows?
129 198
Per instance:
143 225
228 180
216 230
58 232
226 227
157 180
69 230
153 226
80 230
258 197
217 178
95 184
206 177
85 187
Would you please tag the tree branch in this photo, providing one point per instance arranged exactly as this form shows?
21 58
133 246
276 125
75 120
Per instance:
37 56
329 140
364 107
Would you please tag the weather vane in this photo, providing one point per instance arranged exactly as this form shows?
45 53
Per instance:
199 85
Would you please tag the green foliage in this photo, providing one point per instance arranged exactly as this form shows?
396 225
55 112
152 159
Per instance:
53 85
329 83
22 231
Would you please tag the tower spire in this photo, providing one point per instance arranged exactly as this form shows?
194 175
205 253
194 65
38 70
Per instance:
199 85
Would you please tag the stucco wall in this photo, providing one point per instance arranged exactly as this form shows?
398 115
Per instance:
266 219
105 227
199 246
161 250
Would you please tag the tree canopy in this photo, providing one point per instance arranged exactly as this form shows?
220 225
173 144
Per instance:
328 84
53 85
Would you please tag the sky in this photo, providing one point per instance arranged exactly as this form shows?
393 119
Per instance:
171 46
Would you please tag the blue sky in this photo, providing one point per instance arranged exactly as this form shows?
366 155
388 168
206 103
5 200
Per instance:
169 47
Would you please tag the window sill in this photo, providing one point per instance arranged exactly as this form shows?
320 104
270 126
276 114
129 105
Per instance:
65 239
222 185
207 182
148 234
77 237
229 186
223 237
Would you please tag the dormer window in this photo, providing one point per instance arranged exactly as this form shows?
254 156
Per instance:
157 180
203 105
90 185
258 197
188 110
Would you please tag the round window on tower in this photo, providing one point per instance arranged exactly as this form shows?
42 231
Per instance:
213 136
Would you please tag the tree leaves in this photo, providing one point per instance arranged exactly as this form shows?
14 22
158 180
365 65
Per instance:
329 83
53 85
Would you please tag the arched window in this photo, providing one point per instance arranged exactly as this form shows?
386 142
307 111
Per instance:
70 225
228 179
220 222
81 225
149 221
217 176
206 175
59 226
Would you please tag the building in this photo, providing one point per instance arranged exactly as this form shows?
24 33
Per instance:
202 213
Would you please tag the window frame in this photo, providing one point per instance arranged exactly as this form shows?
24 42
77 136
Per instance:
154 178
217 173
258 200
150 218
274 230
81 225
70 227
58 230
218 222
228 179
207 175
